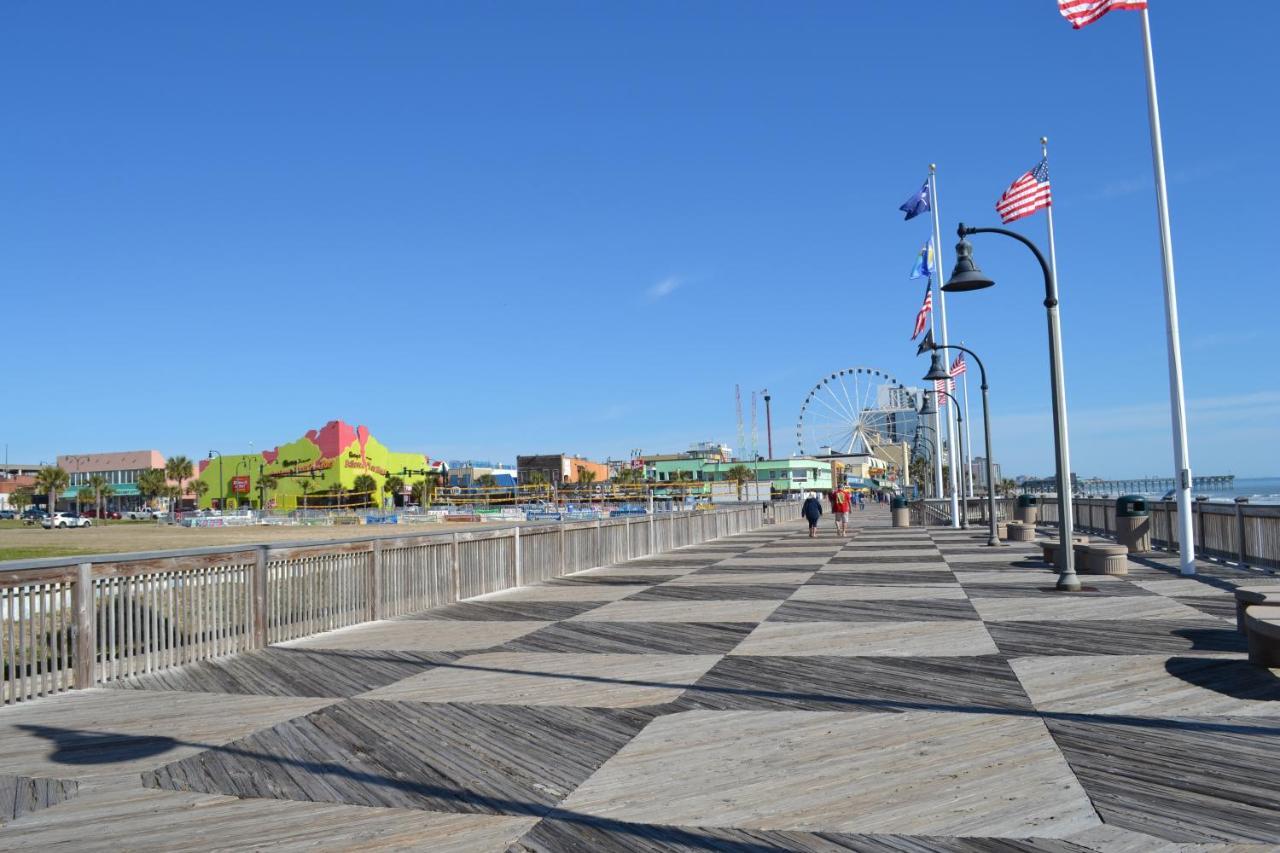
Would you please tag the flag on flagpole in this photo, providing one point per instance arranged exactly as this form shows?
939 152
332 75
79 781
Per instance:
917 204
924 265
1026 195
940 385
922 317
958 366
1082 13
926 344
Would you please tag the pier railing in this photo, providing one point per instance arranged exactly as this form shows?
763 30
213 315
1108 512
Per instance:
76 622
1244 533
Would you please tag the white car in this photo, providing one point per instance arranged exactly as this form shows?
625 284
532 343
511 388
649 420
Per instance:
144 514
65 519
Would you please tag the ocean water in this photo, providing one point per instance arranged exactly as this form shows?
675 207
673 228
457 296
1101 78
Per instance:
1256 489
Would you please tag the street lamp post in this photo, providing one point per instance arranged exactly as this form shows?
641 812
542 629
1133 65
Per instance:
222 483
964 503
938 370
967 276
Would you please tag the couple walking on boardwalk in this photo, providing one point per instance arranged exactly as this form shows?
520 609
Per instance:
842 501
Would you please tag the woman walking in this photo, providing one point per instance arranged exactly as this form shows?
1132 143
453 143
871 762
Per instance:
812 511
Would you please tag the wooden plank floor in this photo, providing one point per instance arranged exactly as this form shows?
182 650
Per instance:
891 692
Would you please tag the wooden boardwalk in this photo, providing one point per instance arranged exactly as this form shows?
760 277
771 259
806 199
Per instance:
895 691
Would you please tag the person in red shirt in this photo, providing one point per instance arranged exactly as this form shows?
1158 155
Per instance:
840 509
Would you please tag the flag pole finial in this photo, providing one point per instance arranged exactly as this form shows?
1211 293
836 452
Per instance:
933 167
1044 140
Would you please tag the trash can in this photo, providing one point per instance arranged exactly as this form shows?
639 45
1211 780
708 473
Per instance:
1028 509
1133 523
900 511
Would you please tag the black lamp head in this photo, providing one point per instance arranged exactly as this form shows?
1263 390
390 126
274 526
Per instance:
937 368
966 275
928 407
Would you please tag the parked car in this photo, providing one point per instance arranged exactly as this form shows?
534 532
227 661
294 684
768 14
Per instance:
106 513
65 519
143 514
7 515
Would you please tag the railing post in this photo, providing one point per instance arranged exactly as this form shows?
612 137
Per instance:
260 638
626 528
653 533
599 561
564 542
84 641
457 567
1242 548
374 587
515 532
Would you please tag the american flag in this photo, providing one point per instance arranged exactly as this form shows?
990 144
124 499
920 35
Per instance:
958 366
1081 13
940 385
922 318
1026 195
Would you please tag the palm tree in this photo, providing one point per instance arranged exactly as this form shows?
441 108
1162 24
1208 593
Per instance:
151 484
394 486
51 479
585 476
366 485
305 487
419 492
84 495
486 481
199 487
179 469
1008 487
739 474
101 489
173 494
535 478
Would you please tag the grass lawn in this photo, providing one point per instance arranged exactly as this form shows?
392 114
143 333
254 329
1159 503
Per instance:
39 552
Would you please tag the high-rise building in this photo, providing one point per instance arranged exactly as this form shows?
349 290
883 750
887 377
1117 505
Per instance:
978 471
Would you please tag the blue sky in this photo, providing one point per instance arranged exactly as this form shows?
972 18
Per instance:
492 228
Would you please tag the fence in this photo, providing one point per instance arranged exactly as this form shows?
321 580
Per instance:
1243 533
937 512
66 624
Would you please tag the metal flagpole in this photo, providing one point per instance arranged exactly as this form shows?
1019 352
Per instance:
1177 401
937 423
968 435
942 306
1061 391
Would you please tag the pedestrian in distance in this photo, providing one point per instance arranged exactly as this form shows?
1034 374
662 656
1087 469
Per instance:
812 511
840 498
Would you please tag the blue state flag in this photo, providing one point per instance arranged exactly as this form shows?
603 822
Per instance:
924 265
917 204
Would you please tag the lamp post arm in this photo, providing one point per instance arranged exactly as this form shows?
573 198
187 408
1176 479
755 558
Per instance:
981 367
1050 286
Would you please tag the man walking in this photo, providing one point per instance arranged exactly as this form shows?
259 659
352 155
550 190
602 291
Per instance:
840 510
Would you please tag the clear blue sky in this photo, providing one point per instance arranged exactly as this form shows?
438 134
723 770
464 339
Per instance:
491 228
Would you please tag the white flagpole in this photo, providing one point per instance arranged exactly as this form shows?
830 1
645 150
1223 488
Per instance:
968 434
942 306
937 423
1177 401
1053 268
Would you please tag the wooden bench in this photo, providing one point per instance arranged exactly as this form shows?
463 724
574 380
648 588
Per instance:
1021 532
1247 596
1104 558
1262 627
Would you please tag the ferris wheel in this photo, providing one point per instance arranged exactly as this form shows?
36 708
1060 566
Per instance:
855 409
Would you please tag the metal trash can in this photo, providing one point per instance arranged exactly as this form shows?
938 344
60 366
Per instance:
1133 523
1027 510
900 511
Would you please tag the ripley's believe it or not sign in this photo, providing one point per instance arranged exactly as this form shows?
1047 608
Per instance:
325 459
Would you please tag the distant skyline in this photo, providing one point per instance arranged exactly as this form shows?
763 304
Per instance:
484 230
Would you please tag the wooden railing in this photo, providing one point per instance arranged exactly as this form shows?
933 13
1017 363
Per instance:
1244 533
76 622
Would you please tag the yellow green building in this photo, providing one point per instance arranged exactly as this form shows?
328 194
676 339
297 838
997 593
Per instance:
320 469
